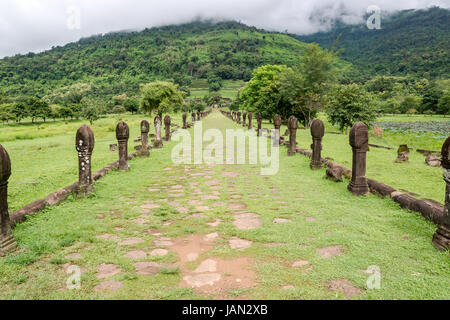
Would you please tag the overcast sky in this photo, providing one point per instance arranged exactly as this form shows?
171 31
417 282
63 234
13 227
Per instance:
36 25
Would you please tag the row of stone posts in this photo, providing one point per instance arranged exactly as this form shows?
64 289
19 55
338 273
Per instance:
247 119
84 144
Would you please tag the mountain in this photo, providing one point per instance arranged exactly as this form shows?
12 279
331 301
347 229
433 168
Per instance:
118 62
410 42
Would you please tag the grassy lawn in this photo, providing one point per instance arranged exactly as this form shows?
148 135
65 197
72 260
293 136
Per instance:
199 88
172 207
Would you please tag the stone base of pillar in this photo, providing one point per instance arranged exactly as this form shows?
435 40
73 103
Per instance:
144 153
441 239
83 191
359 189
7 245
291 153
315 165
158 144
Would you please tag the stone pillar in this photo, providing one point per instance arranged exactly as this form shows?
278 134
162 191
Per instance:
244 117
7 241
441 239
158 141
193 117
167 122
239 117
145 129
198 116
84 144
277 125
185 121
359 140
122 135
317 133
259 120
292 125
250 118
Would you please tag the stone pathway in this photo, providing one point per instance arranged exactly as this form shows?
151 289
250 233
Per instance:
198 224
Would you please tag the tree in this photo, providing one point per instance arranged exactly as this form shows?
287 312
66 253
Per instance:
444 104
410 102
214 82
160 96
350 104
65 112
19 110
261 94
44 110
131 105
38 109
91 114
432 94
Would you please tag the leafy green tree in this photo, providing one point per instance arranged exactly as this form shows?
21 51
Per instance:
131 105
160 96
350 104
214 82
19 110
37 109
91 114
261 94
410 102
65 112
432 94
444 104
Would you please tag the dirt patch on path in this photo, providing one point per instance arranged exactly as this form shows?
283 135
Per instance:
217 276
344 286
247 221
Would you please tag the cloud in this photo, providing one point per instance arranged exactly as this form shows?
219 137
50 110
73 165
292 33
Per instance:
36 25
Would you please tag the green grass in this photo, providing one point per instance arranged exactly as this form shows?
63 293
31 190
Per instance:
373 231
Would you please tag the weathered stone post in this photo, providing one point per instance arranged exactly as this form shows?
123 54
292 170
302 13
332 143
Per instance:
317 133
198 116
193 117
84 144
239 117
158 141
359 140
250 118
122 135
259 120
441 239
167 122
292 125
244 116
7 241
185 121
277 125
145 129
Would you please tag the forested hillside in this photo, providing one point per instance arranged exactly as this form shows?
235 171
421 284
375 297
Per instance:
411 42
117 63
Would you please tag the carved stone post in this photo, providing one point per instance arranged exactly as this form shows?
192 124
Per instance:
250 118
84 144
292 125
317 133
158 142
145 129
193 117
122 135
277 125
239 117
198 116
184 121
244 116
441 239
259 120
359 140
7 241
167 122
